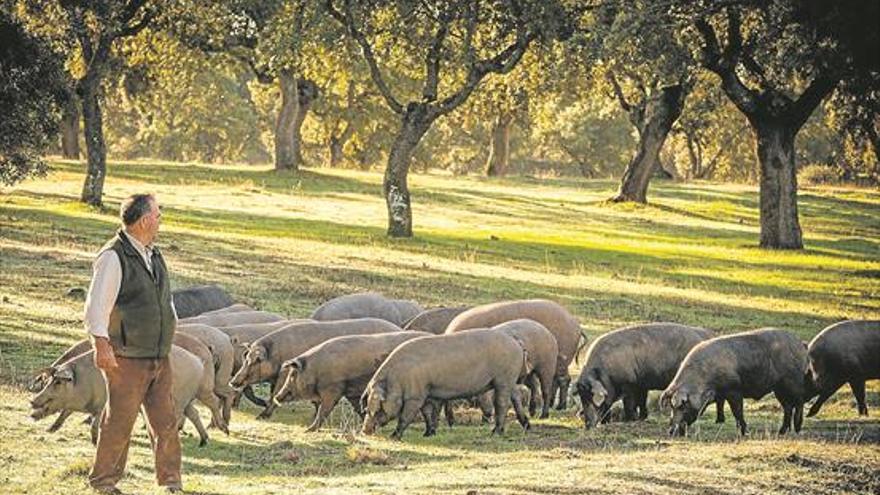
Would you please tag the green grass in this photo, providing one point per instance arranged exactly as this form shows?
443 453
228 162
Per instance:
286 242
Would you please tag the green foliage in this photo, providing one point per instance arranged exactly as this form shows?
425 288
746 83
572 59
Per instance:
32 88
819 175
176 103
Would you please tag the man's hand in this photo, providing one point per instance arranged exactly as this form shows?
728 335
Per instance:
104 357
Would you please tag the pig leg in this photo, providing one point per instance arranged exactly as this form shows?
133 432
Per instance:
430 416
210 399
642 404
629 405
534 386
719 410
62 417
502 405
521 416
787 410
736 406
858 390
564 382
450 415
410 409
328 402
798 416
193 416
546 380
93 429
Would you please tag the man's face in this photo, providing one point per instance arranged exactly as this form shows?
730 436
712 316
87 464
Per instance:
150 222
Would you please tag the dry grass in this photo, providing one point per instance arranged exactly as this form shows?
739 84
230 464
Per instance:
286 242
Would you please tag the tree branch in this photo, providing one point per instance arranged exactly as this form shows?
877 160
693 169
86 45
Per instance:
432 60
723 64
822 85
618 92
132 29
347 21
502 63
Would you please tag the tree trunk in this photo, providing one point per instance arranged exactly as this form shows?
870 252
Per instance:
336 154
96 151
285 157
70 128
780 228
307 92
415 123
662 110
499 152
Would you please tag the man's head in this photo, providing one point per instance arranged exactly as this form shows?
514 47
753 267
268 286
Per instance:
140 214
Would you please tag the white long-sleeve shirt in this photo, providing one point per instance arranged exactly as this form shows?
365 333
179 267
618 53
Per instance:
104 288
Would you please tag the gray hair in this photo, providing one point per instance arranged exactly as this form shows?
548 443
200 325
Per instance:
134 207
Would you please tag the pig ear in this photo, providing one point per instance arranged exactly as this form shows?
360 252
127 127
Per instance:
298 364
599 392
679 398
664 399
258 352
64 374
379 391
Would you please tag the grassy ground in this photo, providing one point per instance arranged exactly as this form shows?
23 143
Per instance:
286 242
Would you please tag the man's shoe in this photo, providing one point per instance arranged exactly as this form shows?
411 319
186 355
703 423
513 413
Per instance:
173 489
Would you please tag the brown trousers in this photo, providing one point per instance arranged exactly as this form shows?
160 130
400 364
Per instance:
136 382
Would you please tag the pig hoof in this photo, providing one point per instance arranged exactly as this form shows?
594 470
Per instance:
264 415
545 415
429 433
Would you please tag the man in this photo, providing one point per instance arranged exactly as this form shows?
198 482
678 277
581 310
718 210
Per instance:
130 319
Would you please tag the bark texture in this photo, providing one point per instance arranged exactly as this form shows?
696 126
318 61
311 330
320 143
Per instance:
499 152
661 111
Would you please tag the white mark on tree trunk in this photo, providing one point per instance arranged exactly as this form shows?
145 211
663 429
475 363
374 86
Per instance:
397 204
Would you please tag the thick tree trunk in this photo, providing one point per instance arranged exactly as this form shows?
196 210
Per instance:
662 110
499 152
780 228
96 151
415 123
285 157
70 128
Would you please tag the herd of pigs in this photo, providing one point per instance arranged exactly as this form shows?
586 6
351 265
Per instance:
390 359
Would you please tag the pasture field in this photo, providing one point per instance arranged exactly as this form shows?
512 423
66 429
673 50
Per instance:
286 242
